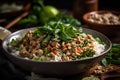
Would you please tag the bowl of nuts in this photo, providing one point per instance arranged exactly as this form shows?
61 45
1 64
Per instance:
106 22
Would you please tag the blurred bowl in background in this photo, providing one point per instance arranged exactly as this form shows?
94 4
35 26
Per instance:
9 9
106 22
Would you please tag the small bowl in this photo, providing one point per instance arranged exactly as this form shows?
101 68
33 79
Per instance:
105 28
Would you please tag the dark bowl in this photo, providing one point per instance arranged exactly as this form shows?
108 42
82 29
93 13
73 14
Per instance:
66 68
109 30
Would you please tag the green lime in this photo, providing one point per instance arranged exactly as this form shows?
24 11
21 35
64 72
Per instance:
51 11
48 12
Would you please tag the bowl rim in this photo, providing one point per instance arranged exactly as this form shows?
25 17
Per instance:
29 60
86 15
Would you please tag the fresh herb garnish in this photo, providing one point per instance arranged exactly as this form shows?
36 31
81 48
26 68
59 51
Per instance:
46 51
57 31
14 42
37 58
113 56
105 62
85 42
99 40
86 54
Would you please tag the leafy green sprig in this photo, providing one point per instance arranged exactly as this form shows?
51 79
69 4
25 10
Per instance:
113 57
35 18
58 31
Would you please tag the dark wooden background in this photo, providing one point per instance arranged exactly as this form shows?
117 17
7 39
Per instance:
68 4
102 4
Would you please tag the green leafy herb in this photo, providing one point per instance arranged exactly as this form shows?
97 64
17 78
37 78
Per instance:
46 51
32 19
105 62
37 58
14 42
57 31
37 32
85 42
66 19
73 46
45 40
88 53
113 56
99 40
